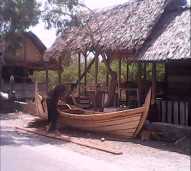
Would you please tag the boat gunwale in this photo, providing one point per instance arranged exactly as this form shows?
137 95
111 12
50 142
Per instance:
129 111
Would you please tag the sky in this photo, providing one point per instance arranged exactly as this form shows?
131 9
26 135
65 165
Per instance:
48 36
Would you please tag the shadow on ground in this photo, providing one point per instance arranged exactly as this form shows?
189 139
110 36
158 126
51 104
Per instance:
12 137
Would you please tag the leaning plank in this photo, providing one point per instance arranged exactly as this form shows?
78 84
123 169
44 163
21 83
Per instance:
72 140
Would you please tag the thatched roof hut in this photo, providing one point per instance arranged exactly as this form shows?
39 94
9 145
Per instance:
171 38
122 29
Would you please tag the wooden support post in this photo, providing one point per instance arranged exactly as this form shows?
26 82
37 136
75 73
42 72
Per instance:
119 81
85 77
79 72
127 78
60 71
153 82
96 69
144 78
1 76
139 83
46 73
107 78
87 69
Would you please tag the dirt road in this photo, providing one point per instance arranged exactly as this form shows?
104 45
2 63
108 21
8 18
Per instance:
21 152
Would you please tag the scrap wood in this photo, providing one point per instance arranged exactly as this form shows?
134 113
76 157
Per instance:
72 140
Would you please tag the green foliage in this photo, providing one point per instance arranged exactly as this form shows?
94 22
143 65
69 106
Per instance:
60 14
70 73
18 15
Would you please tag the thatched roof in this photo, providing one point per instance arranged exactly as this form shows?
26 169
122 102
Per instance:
122 29
171 39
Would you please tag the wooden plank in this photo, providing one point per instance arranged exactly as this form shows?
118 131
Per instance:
85 68
88 68
163 111
186 113
79 72
169 112
60 71
96 70
175 113
46 73
182 113
154 79
111 150
158 102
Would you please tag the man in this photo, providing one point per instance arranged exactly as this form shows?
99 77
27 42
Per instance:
53 97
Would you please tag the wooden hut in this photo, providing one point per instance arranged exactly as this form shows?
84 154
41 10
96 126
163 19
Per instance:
21 61
141 32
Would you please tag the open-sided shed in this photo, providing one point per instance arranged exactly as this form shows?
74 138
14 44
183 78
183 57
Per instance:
142 32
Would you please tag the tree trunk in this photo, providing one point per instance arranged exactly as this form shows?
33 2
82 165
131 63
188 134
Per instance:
112 84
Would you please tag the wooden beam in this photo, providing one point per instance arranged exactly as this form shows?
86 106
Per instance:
96 69
144 78
60 71
74 140
46 75
85 68
107 78
153 82
79 72
119 80
139 83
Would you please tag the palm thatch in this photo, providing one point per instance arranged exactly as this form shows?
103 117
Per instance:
171 39
122 29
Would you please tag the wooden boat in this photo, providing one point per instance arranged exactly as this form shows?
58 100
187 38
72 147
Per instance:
125 123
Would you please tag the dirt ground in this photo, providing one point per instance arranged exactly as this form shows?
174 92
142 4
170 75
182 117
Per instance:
148 155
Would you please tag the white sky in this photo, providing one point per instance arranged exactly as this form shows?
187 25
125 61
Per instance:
48 36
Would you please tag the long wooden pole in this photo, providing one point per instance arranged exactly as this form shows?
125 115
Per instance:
74 140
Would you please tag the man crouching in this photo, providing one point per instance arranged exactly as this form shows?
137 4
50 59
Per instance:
52 100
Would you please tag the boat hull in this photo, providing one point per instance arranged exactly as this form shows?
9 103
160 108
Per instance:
126 123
